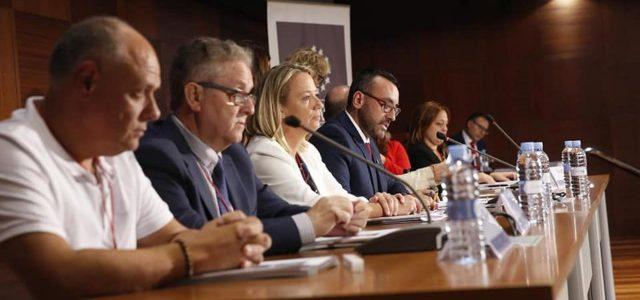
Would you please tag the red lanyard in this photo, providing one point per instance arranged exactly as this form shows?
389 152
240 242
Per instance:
306 176
215 187
105 198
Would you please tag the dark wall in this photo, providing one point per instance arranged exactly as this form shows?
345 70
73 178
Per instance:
35 25
546 70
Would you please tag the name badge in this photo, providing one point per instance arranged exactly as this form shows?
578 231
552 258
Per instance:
579 171
532 187
497 240
546 178
557 178
512 207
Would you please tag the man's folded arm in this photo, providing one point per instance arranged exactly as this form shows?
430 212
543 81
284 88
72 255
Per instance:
50 267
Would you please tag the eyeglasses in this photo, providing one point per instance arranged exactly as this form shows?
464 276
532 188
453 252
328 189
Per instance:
386 108
237 97
485 130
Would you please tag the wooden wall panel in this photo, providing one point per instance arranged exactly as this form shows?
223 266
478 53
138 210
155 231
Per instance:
81 9
546 70
55 9
36 37
9 78
166 24
179 22
141 14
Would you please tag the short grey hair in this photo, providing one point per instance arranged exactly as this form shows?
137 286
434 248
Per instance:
95 38
201 57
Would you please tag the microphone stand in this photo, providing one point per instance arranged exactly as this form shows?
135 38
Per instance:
494 122
449 140
612 160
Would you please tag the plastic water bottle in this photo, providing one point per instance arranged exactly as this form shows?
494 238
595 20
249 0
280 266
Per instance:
465 244
579 178
567 168
538 147
531 188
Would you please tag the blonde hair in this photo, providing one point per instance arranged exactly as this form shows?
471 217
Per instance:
315 60
272 93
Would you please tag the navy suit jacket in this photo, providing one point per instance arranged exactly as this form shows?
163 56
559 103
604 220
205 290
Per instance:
355 176
168 161
481 145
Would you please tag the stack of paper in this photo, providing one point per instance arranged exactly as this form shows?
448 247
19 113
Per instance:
343 242
296 267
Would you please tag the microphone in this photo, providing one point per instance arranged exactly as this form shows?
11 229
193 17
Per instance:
612 160
494 122
295 122
443 137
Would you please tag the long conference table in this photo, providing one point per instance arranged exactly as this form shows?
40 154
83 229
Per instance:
572 261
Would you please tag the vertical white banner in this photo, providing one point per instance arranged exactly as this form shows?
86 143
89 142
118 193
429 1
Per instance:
304 25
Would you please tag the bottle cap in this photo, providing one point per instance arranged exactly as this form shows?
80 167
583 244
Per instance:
538 146
459 152
577 144
527 146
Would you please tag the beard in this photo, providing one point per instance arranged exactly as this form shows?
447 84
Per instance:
371 126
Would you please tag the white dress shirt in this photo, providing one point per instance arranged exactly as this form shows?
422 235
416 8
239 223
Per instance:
207 158
210 158
364 137
467 138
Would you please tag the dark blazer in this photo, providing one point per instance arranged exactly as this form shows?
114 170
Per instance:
355 176
421 156
167 160
481 145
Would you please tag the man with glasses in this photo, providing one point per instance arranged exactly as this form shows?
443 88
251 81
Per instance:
78 218
195 161
372 105
476 128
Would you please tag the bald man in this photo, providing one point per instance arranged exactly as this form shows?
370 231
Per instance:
78 217
336 101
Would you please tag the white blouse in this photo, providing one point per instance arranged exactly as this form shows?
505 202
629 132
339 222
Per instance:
278 169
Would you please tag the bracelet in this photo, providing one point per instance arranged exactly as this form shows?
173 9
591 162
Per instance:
188 264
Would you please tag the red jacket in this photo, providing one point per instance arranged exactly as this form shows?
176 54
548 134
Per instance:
397 160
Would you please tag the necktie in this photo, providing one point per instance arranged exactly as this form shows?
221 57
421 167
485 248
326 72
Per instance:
475 155
220 185
368 146
305 174
374 172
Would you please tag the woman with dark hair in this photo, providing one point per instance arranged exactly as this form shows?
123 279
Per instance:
425 149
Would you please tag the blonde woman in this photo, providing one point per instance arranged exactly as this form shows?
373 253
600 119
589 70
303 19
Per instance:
316 61
281 155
